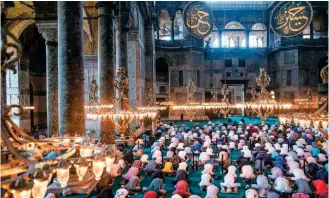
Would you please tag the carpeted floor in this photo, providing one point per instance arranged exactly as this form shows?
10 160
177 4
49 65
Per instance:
194 176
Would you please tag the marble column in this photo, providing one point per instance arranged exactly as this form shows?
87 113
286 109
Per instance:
24 93
122 28
132 56
70 68
149 59
247 38
49 33
172 34
106 65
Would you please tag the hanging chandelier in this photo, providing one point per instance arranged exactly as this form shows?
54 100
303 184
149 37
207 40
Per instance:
152 106
318 119
191 107
224 106
28 165
264 102
121 114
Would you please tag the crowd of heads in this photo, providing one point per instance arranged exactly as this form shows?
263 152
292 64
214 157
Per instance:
269 160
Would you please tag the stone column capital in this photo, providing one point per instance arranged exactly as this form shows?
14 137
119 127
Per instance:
48 31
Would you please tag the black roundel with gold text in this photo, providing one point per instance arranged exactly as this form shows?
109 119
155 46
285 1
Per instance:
290 18
198 19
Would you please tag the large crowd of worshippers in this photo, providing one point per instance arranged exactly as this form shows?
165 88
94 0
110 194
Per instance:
274 161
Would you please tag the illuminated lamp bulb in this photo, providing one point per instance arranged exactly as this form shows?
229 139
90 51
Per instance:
98 166
63 172
86 151
324 124
21 188
40 180
109 161
81 166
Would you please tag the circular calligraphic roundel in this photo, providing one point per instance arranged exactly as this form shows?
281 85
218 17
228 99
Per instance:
290 18
198 19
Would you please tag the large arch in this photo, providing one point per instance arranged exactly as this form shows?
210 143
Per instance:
258 36
234 35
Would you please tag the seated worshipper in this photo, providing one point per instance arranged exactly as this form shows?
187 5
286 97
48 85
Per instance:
223 156
203 158
292 165
284 150
276 172
251 193
210 151
133 171
128 157
208 168
158 186
169 155
150 167
175 161
247 154
232 145
180 146
157 173
247 172
280 163
181 173
322 159
138 164
241 143
133 184
182 155
272 194
182 189
158 161
229 185
121 193
156 154
320 187
277 147
262 185
117 168
301 181
196 147
144 159
212 191
150 194
242 162
282 185
205 181
156 148
168 168
322 174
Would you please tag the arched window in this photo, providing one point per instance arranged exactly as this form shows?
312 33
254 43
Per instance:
234 35
234 25
165 25
258 36
227 41
212 39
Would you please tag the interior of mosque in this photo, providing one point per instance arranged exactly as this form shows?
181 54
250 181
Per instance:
181 99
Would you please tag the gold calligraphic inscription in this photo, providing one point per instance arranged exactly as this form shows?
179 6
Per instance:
198 19
291 18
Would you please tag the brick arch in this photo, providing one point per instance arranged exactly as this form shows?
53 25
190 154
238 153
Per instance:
17 27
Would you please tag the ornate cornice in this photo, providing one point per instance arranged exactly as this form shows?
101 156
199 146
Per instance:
48 31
